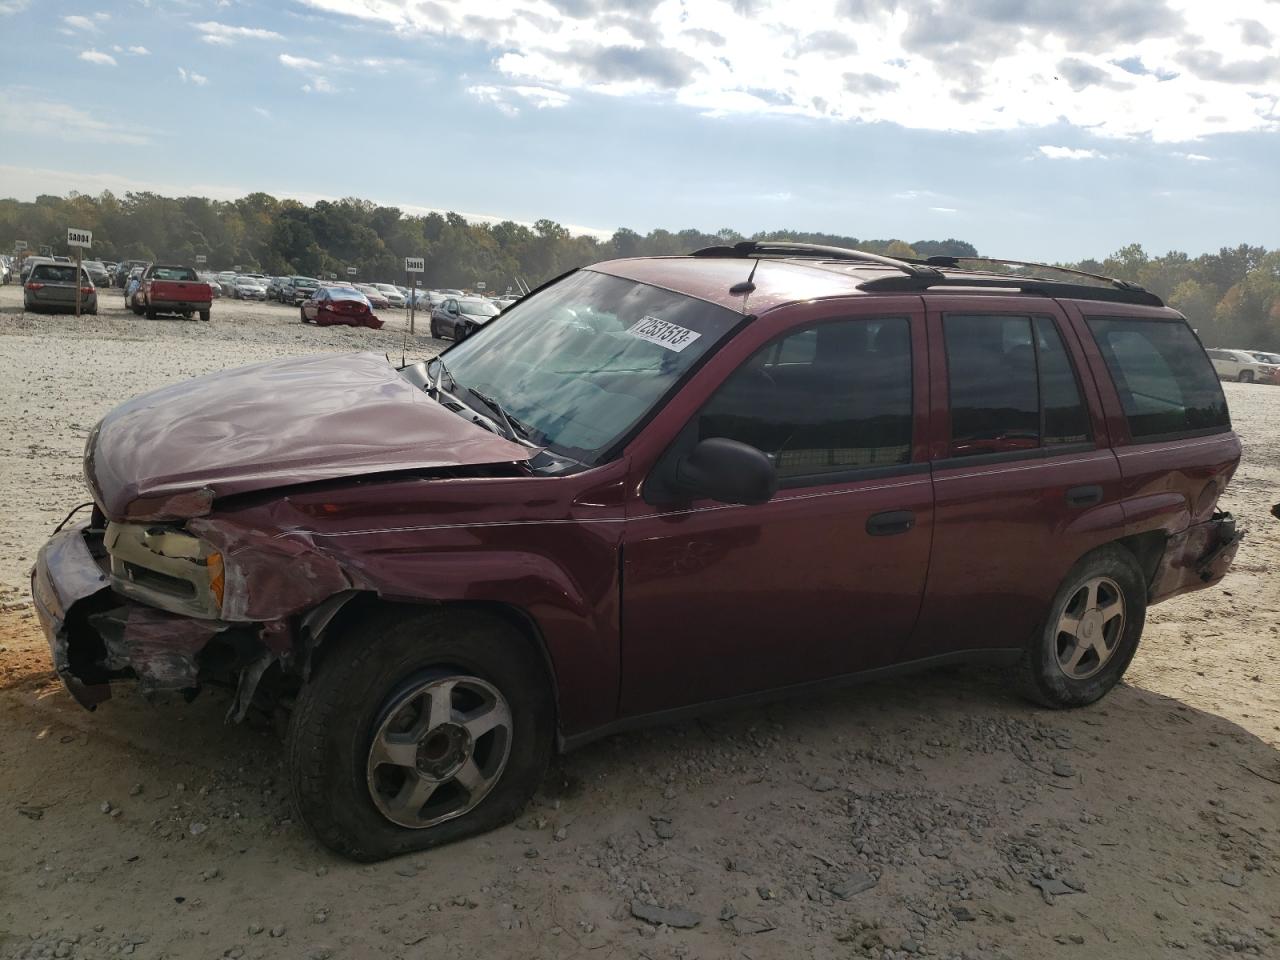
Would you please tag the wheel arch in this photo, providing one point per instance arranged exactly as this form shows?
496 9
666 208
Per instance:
328 620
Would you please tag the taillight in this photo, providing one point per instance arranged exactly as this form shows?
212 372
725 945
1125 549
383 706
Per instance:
35 286
86 289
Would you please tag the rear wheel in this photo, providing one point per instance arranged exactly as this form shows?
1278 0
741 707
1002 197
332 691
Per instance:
435 331
418 729
1246 376
1091 632
151 314
204 315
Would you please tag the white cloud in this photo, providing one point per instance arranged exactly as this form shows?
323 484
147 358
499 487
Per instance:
300 63
81 23
262 112
192 77
13 6
508 100
1170 70
944 209
1194 157
1070 153
139 51
222 33
25 113
96 56
319 84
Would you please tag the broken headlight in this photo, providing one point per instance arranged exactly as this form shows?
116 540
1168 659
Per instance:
164 566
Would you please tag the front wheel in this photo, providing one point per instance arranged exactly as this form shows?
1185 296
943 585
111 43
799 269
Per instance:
1091 632
418 729
1246 376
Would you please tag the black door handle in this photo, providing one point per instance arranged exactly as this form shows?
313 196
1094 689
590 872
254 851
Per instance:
1084 496
887 524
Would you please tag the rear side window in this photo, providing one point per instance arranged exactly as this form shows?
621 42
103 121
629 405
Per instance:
826 400
1012 386
1167 385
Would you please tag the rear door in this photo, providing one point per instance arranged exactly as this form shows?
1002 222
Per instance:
1024 480
825 578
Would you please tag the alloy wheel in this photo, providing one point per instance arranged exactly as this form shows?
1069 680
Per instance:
1090 628
439 750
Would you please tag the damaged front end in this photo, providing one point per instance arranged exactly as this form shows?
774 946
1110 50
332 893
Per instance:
145 602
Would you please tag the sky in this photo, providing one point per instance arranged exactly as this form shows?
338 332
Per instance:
1035 129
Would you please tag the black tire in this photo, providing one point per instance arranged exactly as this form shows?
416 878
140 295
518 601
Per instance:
303 314
435 331
150 314
461 331
137 310
204 315
1246 376
360 674
186 314
1039 674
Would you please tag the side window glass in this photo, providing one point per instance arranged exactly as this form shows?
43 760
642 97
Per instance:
991 370
822 401
1065 418
1166 385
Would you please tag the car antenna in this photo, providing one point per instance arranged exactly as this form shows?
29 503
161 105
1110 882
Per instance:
746 286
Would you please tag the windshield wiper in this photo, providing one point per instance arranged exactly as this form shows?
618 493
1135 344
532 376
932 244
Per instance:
514 427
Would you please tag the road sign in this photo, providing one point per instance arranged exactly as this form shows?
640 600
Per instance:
333 276
79 238
19 246
480 284
201 258
415 264
236 268
351 271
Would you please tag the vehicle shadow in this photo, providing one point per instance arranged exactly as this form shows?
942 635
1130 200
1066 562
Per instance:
937 809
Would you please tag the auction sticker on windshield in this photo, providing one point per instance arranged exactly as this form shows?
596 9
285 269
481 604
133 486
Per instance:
667 335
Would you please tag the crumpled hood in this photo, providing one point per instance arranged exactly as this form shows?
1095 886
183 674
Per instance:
170 453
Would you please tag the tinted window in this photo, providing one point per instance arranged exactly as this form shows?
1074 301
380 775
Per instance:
1166 384
1065 418
991 369
172 273
830 399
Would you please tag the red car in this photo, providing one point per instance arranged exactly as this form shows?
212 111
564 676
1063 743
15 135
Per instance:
651 487
339 305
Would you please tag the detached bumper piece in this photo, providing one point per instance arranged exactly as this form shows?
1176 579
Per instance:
1199 556
97 636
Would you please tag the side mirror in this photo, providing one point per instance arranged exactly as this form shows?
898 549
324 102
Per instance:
728 471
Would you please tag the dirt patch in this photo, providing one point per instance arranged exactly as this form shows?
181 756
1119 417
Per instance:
934 816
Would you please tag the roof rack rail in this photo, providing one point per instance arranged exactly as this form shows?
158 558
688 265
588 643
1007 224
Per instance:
786 248
956 261
1130 293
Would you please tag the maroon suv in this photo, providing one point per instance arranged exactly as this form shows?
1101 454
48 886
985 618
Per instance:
651 486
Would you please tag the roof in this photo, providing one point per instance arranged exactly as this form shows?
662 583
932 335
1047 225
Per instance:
753 278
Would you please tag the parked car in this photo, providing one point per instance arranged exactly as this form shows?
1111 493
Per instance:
29 264
339 305
393 294
6 270
248 288
1241 365
376 297
274 286
54 287
458 318
168 288
125 269
298 289
98 272
651 487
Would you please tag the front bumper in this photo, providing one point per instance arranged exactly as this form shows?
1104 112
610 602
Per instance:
1198 557
96 635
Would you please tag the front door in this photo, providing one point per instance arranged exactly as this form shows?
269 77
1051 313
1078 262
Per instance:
826 578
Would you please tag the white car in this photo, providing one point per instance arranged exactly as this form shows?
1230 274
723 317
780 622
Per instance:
1242 366
391 292
249 288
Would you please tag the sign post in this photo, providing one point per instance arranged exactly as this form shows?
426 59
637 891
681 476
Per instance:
412 267
201 259
81 240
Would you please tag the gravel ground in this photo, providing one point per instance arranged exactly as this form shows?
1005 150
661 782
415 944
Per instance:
936 816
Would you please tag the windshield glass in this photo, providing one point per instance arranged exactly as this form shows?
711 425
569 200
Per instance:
478 308
172 273
587 359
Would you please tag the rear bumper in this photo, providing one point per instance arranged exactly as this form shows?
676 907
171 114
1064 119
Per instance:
180 306
1198 557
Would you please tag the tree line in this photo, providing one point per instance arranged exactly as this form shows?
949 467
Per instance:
1232 297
